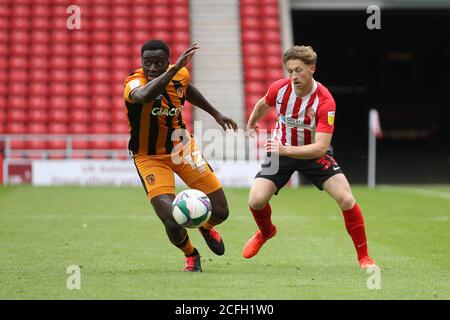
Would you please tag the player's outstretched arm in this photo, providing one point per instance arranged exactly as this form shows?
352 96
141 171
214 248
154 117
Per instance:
194 96
259 111
154 88
310 151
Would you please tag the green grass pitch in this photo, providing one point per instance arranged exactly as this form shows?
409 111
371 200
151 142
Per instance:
122 249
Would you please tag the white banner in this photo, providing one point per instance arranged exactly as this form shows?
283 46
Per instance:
123 173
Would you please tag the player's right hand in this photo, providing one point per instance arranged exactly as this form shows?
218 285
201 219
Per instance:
185 57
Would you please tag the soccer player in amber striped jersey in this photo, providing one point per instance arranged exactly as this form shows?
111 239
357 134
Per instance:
154 96
302 140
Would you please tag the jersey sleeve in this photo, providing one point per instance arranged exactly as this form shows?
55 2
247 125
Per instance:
132 83
325 116
271 95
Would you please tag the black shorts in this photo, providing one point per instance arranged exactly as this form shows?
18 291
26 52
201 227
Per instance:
316 170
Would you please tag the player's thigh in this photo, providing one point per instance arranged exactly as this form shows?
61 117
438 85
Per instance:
156 175
261 192
339 189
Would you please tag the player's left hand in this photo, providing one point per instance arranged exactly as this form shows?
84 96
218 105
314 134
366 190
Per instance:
225 122
275 146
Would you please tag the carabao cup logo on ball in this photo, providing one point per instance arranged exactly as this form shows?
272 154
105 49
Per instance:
191 208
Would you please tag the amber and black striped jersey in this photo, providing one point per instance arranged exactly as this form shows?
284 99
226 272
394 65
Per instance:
152 124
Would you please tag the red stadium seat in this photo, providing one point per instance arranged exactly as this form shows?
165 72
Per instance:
40 63
269 11
252 35
40 36
57 128
78 128
60 36
19 49
274 62
120 127
80 102
58 115
140 23
17 88
101 102
38 49
99 25
117 12
59 103
17 102
251 23
38 75
59 62
39 22
16 115
118 115
81 36
38 102
139 11
79 115
98 143
181 24
80 75
121 36
59 89
254 62
100 62
101 11
20 11
250 11
18 63
253 49
82 62
271 24
255 88
20 36
101 88
272 36
37 115
80 89
15 128
80 49
38 89
98 115
180 11
35 142
164 11
40 10
101 49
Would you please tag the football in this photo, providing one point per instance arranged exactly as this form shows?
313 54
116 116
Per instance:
191 208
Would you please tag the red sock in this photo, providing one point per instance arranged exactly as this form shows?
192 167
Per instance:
354 223
262 218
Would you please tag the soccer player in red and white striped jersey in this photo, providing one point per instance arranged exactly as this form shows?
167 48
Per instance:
302 140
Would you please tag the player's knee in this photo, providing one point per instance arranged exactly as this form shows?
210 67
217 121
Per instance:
257 201
221 213
346 201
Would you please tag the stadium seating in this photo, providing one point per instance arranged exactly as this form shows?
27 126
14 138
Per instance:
261 51
73 84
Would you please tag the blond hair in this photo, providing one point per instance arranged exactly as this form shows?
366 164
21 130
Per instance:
303 53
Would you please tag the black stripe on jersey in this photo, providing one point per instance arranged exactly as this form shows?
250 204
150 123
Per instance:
134 117
170 130
140 177
154 128
177 85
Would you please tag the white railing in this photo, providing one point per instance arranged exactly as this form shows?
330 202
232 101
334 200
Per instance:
7 145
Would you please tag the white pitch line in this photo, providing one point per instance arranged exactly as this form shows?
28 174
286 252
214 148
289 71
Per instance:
417 191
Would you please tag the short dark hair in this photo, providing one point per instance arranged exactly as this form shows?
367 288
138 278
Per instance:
155 45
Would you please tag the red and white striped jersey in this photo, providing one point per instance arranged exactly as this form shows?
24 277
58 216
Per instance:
300 118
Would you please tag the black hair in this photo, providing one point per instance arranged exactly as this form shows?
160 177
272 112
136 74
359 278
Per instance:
155 45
